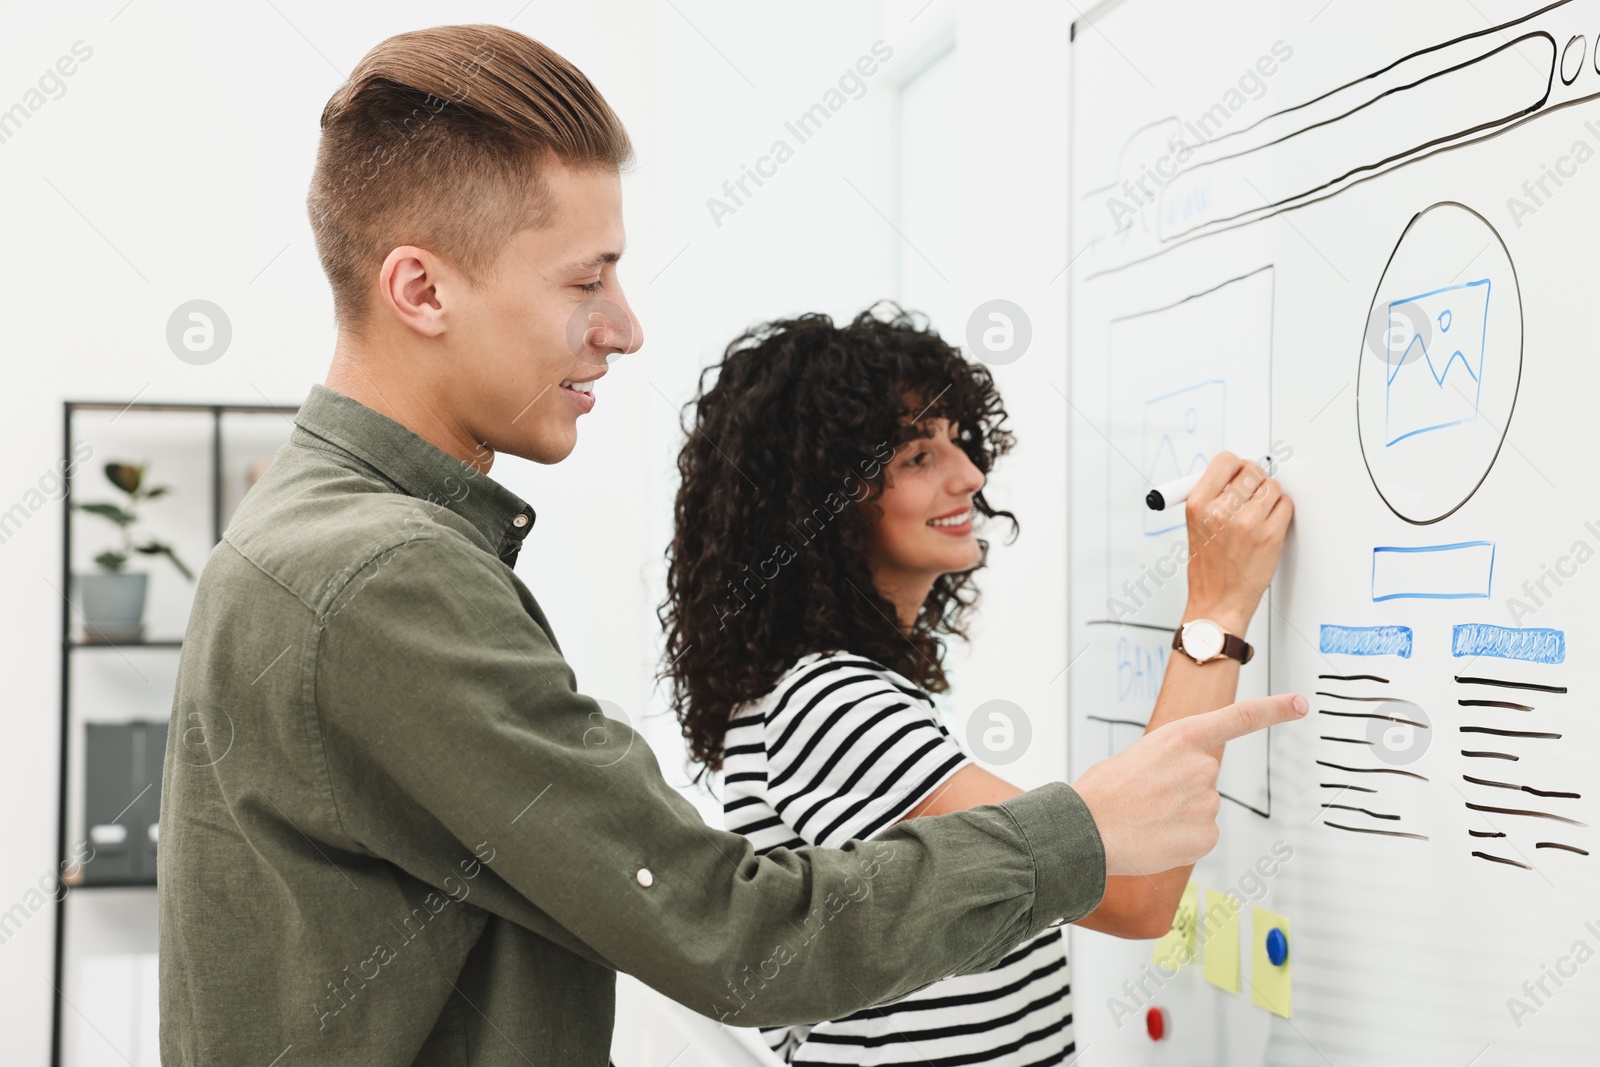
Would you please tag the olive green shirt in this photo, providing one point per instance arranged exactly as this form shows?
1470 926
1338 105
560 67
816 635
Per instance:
395 832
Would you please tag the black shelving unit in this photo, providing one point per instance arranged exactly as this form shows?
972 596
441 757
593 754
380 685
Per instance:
71 645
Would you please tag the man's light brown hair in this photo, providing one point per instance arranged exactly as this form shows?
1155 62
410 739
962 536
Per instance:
438 140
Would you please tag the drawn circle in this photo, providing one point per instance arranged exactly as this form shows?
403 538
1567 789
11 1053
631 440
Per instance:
999 332
1402 736
1572 63
1191 420
1434 396
998 732
205 735
198 332
607 735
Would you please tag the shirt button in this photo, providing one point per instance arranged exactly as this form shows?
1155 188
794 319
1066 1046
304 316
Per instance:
520 521
645 878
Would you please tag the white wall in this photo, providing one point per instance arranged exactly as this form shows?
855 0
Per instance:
174 166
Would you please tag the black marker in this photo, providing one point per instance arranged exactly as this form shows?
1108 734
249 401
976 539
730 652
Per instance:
1171 494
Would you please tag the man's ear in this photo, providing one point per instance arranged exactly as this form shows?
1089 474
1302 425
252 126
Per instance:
408 282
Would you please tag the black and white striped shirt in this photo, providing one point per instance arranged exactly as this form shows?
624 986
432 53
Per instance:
841 749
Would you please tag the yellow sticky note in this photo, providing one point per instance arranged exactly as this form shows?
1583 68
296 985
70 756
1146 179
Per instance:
1269 983
1219 928
1178 945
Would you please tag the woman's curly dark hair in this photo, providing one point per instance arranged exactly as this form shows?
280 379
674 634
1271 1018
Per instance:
786 455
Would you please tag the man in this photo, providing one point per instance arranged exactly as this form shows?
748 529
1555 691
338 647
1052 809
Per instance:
393 830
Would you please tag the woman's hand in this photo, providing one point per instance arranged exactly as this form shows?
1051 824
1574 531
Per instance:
1237 519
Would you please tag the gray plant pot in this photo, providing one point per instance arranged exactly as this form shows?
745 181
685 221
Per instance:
113 606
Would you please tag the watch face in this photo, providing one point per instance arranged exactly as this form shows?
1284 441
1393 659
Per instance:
1202 639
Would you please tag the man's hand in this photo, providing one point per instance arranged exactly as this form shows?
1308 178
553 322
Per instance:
1238 518
1156 801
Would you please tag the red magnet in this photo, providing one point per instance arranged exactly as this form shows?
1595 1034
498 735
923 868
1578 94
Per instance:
1155 1024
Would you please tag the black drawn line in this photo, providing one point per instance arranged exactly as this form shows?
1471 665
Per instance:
1347 740
1507 684
1341 696
1354 678
1502 859
1558 844
1523 788
1489 755
1374 715
1372 770
1485 833
1369 830
1340 785
1117 722
1364 811
1136 625
1495 704
1525 811
1507 733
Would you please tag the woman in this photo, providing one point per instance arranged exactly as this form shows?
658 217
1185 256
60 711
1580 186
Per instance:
824 547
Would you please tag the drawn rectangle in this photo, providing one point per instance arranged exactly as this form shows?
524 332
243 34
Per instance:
1435 333
1367 640
1532 644
1460 571
1303 151
1183 429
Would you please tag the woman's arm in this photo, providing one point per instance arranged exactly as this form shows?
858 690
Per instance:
1237 520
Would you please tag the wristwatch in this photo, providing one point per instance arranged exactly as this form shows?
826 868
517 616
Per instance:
1203 641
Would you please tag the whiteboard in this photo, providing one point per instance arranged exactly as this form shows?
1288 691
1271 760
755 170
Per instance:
1361 234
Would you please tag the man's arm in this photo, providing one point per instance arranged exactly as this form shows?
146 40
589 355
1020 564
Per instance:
452 727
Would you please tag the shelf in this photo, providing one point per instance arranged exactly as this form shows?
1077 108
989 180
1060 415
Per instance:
119 883
72 728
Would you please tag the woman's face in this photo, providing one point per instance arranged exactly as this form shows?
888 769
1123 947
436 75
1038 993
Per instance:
927 525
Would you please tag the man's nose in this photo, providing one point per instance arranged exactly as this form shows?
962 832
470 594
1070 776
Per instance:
622 333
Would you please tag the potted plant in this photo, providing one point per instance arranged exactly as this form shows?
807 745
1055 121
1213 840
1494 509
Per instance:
113 599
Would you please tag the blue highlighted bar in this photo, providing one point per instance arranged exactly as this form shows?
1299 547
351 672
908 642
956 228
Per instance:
1367 640
1532 645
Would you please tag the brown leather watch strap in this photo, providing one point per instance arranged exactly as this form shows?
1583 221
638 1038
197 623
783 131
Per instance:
1233 646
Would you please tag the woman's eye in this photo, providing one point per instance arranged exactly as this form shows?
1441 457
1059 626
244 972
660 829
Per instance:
916 460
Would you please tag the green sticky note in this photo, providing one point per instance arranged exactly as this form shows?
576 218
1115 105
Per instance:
1178 945
1269 983
1219 928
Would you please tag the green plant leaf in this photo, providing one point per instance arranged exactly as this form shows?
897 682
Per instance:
112 561
125 476
109 511
156 548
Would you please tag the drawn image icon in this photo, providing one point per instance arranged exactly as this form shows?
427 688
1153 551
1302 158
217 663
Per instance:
1438 385
1434 398
1182 431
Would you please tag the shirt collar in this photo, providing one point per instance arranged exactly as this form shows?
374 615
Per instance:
416 467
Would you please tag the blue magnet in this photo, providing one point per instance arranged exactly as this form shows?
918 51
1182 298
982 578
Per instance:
1277 947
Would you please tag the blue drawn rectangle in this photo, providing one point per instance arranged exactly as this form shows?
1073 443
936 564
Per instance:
1460 571
1182 431
1367 640
1534 644
1434 332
